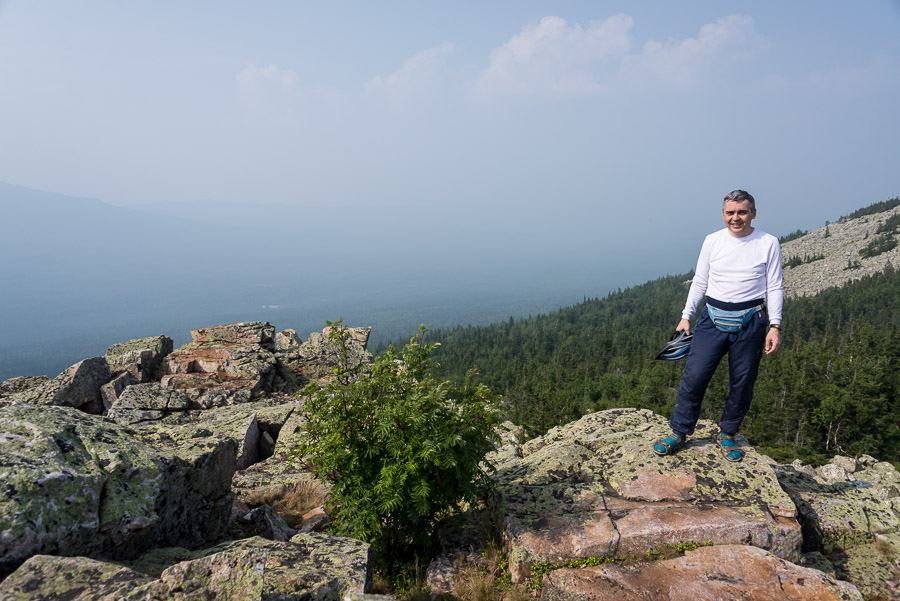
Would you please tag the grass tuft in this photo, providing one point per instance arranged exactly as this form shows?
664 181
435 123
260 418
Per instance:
290 501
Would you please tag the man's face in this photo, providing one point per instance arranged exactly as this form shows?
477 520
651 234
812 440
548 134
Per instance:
738 216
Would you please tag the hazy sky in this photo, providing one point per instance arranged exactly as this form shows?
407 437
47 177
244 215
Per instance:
627 115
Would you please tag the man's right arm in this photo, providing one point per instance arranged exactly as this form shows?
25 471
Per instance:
698 288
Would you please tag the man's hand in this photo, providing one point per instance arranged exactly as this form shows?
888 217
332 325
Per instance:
773 340
684 325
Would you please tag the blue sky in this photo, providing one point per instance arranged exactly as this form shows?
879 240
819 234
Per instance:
629 118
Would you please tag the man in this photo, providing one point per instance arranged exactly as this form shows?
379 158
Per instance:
739 271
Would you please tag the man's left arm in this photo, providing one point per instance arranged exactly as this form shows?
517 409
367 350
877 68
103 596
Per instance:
774 298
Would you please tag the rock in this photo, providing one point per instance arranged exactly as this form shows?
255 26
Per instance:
238 508
142 358
21 384
266 445
314 359
48 578
112 390
314 520
237 575
832 473
358 336
848 464
235 424
287 340
148 402
441 575
595 488
308 567
265 522
704 574
157 412
250 333
78 386
311 566
225 364
853 522
75 485
283 468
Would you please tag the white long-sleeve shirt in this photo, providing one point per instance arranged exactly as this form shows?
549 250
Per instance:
736 270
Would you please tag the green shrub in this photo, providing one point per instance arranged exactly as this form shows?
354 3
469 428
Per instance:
880 244
890 226
401 448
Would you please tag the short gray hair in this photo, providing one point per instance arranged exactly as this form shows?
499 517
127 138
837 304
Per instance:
740 196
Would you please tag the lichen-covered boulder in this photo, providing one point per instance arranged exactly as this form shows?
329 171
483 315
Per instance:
158 413
112 390
310 566
283 469
704 574
226 576
75 485
313 360
265 522
595 488
142 357
850 512
150 402
50 578
307 567
21 384
249 333
287 340
78 386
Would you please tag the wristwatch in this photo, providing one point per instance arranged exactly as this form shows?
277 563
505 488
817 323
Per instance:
777 326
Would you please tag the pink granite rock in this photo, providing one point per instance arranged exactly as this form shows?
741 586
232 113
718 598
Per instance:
704 574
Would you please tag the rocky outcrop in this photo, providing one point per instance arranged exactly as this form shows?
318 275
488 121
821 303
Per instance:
79 387
74 485
287 340
142 357
307 567
313 360
224 365
248 333
850 510
704 574
157 413
165 465
593 488
265 522
589 512
21 384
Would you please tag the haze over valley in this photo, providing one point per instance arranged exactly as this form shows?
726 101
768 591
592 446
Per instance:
170 166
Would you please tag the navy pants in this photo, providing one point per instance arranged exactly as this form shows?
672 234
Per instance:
708 346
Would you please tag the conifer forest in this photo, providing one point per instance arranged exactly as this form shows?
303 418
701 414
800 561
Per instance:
831 388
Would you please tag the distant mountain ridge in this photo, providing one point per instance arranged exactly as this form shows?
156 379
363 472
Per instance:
839 245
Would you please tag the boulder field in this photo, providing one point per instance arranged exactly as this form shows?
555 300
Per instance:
139 474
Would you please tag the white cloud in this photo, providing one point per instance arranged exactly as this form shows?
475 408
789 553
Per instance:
682 62
556 60
267 91
421 74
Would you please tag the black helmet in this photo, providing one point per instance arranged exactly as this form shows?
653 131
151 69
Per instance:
677 347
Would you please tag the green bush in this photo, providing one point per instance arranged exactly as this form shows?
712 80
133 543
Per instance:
401 448
880 244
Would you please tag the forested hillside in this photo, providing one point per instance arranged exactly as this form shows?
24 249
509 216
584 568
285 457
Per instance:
832 388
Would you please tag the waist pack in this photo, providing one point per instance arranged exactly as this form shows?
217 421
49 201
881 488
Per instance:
731 321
